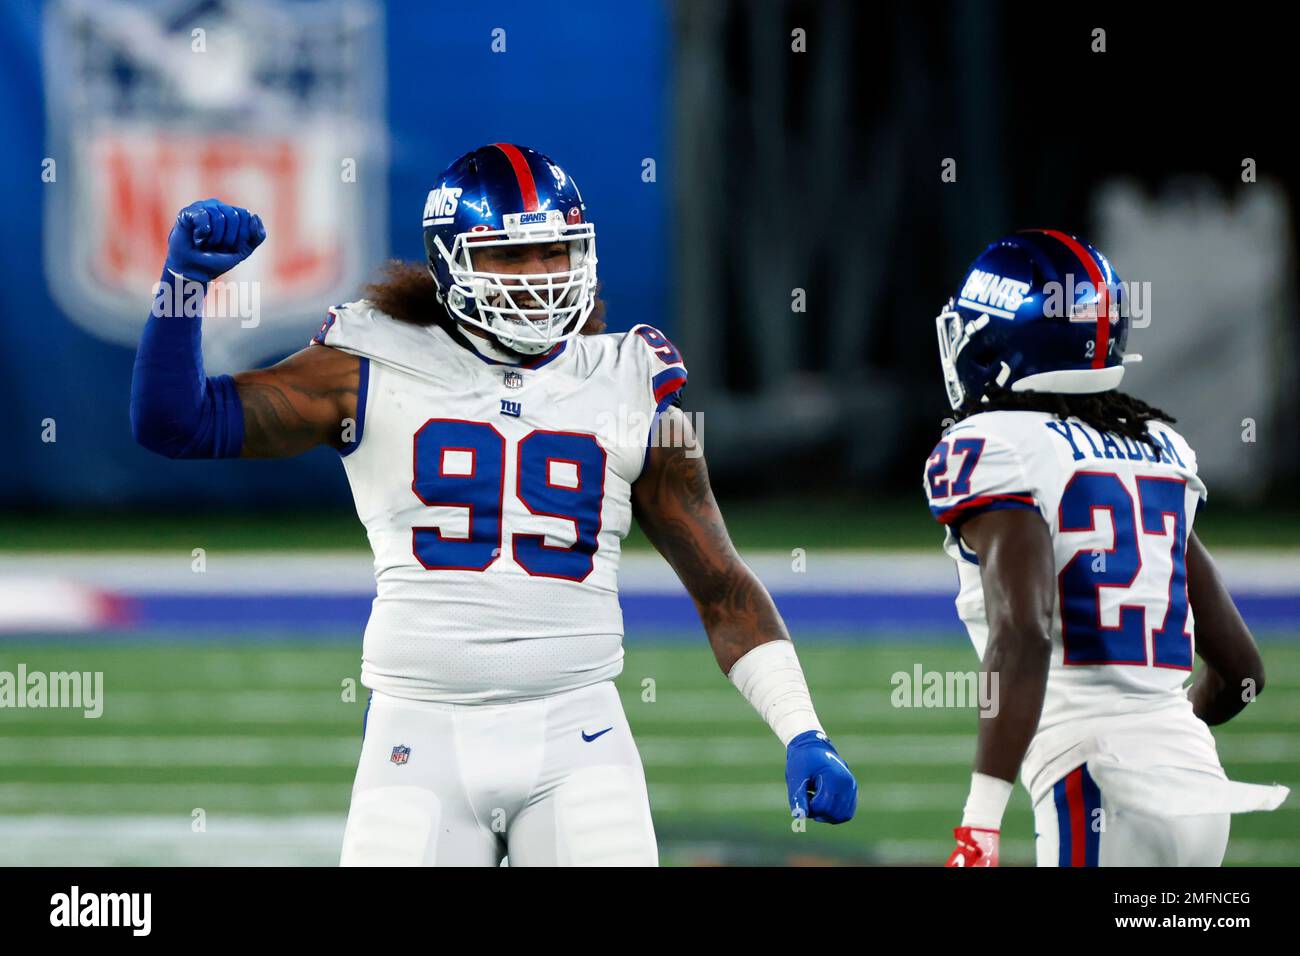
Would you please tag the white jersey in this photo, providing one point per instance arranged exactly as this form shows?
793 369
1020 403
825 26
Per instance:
496 498
1120 514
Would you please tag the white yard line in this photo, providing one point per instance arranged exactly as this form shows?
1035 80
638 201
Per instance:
77 798
170 841
351 572
657 750
722 705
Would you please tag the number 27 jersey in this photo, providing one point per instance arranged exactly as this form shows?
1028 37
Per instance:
496 498
1120 513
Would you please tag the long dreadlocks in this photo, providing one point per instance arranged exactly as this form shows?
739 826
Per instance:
1113 411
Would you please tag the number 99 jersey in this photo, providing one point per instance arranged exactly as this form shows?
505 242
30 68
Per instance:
496 497
1120 513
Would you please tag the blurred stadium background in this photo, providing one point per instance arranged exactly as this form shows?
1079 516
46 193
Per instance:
770 198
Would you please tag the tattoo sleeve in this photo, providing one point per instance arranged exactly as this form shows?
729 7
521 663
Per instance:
674 505
300 403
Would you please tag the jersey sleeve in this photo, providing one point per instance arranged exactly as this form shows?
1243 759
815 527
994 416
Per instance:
1175 449
973 470
338 329
359 328
664 366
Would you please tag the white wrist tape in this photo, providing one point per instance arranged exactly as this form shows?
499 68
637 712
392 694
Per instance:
987 802
770 678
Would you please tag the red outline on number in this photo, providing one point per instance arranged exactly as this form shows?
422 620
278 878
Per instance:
929 469
1191 645
469 525
541 538
1114 543
672 350
965 457
577 470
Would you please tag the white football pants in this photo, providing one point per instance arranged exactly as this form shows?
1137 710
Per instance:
555 781
1077 824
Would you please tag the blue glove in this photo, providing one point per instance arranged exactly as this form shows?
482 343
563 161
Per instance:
210 238
176 410
812 764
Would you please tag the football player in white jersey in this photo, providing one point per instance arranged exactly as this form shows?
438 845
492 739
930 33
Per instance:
498 448
1069 508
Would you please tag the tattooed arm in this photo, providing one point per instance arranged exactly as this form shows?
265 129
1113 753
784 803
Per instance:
674 506
179 412
300 403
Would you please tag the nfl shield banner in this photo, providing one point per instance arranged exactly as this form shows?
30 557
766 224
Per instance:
273 105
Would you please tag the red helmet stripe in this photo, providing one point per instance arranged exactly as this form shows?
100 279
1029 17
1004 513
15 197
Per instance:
527 186
1103 294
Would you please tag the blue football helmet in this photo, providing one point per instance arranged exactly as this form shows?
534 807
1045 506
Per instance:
1041 311
501 195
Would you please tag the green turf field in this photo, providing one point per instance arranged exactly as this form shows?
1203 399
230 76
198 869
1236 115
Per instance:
255 743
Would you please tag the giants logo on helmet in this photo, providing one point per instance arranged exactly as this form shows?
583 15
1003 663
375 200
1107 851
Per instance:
988 292
440 207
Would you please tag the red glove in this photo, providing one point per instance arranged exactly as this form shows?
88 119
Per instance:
975 847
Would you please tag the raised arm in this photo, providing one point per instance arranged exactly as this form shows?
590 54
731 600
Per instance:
178 411
305 401
675 507
1233 671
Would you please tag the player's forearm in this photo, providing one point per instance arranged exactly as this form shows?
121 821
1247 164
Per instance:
674 505
1216 700
1015 553
753 648
738 615
1020 662
1232 672
176 410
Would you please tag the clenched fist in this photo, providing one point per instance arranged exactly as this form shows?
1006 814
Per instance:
211 238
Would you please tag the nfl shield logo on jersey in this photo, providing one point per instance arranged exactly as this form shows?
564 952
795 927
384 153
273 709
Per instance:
401 754
514 380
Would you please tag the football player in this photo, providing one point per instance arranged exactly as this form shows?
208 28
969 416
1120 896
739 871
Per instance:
497 446
1069 508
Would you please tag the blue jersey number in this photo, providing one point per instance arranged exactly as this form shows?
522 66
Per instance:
461 464
970 450
660 345
1086 639
575 496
